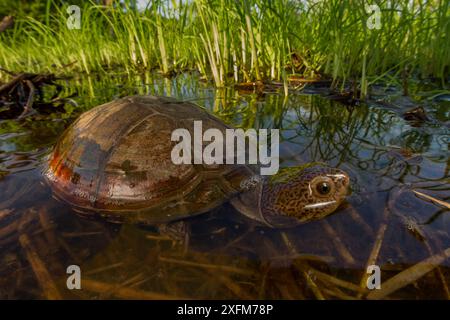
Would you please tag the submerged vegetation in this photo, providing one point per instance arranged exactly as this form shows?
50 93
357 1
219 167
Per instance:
231 41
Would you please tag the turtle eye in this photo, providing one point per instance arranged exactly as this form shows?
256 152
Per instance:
323 188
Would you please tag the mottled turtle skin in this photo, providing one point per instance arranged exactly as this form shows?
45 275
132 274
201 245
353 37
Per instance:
115 160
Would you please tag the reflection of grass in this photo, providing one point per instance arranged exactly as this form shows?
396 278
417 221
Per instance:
331 128
240 41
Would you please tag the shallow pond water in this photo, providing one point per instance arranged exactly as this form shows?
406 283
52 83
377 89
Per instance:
383 222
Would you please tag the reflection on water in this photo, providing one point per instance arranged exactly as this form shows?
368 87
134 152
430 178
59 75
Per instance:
226 255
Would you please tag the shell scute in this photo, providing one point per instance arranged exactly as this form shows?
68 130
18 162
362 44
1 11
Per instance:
115 159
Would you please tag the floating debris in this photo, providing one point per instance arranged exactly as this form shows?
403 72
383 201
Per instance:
416 115
432 199
250 87
23 96
348 98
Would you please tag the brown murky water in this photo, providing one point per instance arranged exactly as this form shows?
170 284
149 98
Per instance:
228 256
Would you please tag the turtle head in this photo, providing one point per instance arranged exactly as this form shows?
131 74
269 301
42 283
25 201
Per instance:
307 192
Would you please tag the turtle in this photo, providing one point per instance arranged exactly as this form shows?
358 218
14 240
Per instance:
115 161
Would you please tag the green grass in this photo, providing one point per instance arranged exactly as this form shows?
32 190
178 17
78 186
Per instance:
234 41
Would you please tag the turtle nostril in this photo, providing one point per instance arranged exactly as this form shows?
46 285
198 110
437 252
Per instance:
346 181
343 179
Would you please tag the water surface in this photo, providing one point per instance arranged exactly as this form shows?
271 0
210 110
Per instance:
228 256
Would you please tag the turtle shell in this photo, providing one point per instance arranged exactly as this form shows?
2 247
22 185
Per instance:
115 159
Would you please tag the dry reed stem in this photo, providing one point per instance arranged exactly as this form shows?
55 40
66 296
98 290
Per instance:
106 268
80 234
338 282
129 283
262 287
340 247
124 292
438 270
63 244
231 285
409 275
305 256
222 268
5 212
338 294
47 226
158 237
17 195
287 285
27 217
311 284
10 228
373 256
42 274
356 216
432 199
